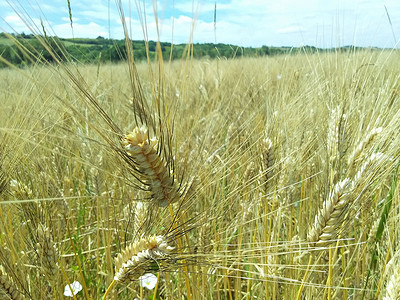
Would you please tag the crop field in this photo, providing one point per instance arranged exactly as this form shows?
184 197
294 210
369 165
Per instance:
249 178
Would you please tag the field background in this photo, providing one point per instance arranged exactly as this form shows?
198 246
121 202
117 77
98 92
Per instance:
289 166
104 50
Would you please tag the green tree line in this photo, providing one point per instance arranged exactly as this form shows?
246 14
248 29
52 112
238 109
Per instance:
97 50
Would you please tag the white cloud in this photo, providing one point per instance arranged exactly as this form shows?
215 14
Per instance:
290 29
67 19
16 24
90 30
97 14
188 8
259 22
47 8
183 20
13 19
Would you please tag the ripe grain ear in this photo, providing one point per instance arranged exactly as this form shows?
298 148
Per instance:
152 168
146 255
8 289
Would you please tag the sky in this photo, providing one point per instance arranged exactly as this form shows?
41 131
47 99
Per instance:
249 23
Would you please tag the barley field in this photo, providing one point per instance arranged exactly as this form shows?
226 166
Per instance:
251 178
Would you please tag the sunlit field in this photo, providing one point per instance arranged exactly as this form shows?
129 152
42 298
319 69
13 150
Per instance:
249 178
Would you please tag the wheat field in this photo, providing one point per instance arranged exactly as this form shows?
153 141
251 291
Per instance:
251 178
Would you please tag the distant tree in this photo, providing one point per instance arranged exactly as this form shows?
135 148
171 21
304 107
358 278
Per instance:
139 54
265 50
152 46
55 46
5 52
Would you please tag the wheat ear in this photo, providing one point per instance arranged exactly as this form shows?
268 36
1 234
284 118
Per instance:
393 287
8 290
334 213
329 217
152 168
392 290
47 251
364 144
333 137
146 255
3 181
268 158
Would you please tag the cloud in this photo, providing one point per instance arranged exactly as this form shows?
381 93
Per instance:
97 14
16 24
13 19
167 28
67 19
89 30
290 29
47 8
239 22
201 8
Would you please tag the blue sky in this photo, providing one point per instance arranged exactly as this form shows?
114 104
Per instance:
321 23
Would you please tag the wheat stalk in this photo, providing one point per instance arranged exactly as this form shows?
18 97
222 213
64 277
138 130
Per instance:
151 166
137 212
3 178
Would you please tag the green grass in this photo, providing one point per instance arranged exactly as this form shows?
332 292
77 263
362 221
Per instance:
5 41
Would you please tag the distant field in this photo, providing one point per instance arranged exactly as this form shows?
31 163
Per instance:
250 178
5 41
